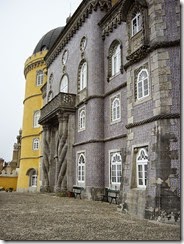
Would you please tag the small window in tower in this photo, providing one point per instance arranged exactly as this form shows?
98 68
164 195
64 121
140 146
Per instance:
39 78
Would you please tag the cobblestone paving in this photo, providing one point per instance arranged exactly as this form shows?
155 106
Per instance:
31 216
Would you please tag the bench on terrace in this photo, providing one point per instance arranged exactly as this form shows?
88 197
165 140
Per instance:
77 190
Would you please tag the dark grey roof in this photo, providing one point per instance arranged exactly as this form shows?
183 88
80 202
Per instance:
48 40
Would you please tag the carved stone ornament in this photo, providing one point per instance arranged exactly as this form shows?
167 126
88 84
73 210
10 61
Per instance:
74 24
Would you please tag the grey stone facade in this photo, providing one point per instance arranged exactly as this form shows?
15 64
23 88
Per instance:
150 123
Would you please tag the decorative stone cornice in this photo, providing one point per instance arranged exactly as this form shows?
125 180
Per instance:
111 20
152 119
143 51
100 140
74 24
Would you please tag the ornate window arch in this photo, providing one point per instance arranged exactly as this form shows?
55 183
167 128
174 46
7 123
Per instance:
36 143
142 167
142 84
115 108
83 75
115 58
81 168
39 77
115 169
36 117
64 84
82 119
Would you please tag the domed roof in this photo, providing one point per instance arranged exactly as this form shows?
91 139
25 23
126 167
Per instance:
48 40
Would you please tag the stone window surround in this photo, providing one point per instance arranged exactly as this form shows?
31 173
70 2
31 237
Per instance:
80 127
113 185
78 154
112 98
79 75
62 79
114 45
135 150
136 71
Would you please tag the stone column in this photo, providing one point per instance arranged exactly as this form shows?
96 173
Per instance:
60 153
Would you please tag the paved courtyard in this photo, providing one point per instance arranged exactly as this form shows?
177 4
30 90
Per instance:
31 216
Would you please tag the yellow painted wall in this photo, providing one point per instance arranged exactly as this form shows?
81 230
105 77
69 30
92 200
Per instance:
33 101
8 182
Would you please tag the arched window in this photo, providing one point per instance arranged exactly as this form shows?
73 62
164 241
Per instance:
82 119
36 119
64 84
81 168
116 60
115 109
142 161
136 23
116 168
35 144
83 76
32 177
142 84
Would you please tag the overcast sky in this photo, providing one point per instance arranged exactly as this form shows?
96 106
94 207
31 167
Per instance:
22 24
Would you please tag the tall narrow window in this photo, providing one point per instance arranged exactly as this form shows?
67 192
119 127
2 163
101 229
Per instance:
50 96
82 119
81 168
35 144
64 84
39 78
36 119
116 169
115 109
116 60
142 84
136 23
34 180
142 161
83 76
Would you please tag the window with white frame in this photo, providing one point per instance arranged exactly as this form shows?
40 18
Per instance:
39 78
115 169
64 84
36 119
35 144
82 119
83 76
115 108
81 168
142 166
34 180
136 23
142 84
116 60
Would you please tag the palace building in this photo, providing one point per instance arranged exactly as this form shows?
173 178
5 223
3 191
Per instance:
102 105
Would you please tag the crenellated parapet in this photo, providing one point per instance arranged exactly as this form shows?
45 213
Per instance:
34 61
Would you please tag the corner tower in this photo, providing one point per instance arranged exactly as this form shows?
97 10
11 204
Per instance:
35 72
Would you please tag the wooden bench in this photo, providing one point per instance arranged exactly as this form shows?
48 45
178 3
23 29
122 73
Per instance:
110 194
77 190
113 195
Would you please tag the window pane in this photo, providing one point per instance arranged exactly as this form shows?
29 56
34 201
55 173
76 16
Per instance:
140 182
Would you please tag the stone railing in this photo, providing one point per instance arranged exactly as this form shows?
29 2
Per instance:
64 102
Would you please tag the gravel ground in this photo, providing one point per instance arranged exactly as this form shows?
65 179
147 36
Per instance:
28 216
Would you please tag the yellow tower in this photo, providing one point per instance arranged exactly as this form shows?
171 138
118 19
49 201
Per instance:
35 71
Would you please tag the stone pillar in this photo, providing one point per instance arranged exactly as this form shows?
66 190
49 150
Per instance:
60 153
